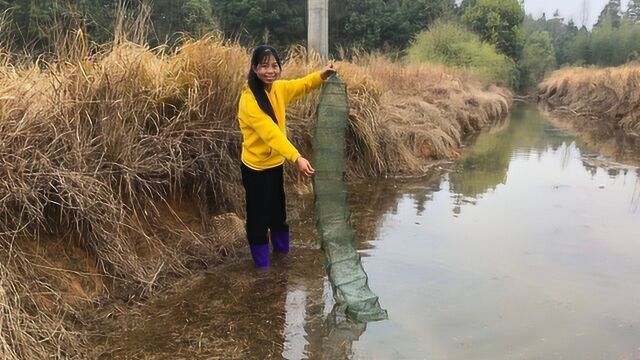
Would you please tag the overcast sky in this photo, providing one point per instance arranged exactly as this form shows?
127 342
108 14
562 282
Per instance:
569 9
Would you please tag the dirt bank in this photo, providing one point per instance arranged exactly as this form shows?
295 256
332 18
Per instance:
120 168
601 105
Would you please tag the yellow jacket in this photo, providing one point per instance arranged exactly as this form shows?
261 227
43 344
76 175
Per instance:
265 144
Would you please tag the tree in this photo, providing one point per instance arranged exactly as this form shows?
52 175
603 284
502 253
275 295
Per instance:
249 20
453 45
612 42
425 12
387 24
35 22
579 51
603 43
498 22
538 58
633 11
337 20
189 16
408 17
610 12
365 22
464 5
563 42
627 41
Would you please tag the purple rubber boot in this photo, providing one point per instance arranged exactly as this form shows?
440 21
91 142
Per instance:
280 241
260 255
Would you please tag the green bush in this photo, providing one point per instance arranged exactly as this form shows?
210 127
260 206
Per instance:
452 45
538 59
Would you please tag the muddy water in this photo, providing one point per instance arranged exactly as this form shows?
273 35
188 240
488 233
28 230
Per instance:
528 248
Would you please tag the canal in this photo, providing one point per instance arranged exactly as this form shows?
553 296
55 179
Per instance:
526 248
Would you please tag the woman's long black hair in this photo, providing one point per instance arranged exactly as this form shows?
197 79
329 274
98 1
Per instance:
259 55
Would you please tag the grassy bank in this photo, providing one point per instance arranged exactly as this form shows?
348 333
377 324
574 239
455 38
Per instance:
600 104
120 167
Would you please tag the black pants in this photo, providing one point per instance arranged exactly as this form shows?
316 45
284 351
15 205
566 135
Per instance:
265 202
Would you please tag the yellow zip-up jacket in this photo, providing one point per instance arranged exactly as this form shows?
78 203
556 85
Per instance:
265 144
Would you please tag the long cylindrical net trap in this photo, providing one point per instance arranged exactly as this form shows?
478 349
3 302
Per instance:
344 268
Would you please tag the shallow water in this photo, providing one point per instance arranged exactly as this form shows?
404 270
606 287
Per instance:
528 248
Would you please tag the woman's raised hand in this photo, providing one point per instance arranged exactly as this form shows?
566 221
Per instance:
327 71
304 166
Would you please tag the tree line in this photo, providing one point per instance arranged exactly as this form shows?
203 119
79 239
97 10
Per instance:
367 24
390 26
494 37
34 24
555 42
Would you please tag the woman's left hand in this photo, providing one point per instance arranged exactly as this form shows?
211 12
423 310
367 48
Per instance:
304 166
327 71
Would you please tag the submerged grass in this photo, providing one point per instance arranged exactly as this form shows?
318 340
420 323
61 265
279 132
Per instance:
127 156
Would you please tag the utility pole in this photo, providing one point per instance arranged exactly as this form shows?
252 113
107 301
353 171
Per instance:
584 13
318 29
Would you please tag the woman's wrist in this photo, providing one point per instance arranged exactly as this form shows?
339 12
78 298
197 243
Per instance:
327 71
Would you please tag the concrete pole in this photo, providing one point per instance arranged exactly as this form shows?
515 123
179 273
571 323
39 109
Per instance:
318 29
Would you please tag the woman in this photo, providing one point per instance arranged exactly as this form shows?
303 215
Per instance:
265 147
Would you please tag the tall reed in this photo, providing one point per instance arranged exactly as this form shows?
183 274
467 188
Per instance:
610 96
99 144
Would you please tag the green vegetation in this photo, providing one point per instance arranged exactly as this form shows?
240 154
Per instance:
190 16
452 45
488 39
37 25
121 168
538 59
494 38
614 39
498 22
280 23
367 24
377 24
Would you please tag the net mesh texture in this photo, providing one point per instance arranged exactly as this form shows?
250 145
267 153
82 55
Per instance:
348 279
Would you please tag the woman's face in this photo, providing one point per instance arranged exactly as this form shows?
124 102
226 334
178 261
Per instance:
268 70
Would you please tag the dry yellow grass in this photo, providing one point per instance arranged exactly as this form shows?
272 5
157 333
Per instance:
402 116
101 150
609 96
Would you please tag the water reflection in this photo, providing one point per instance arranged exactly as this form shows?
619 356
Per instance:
287 312
317 329
528 248
484 165
635 198
372 200
332 337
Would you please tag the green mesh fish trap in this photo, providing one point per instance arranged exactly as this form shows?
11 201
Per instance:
344 268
